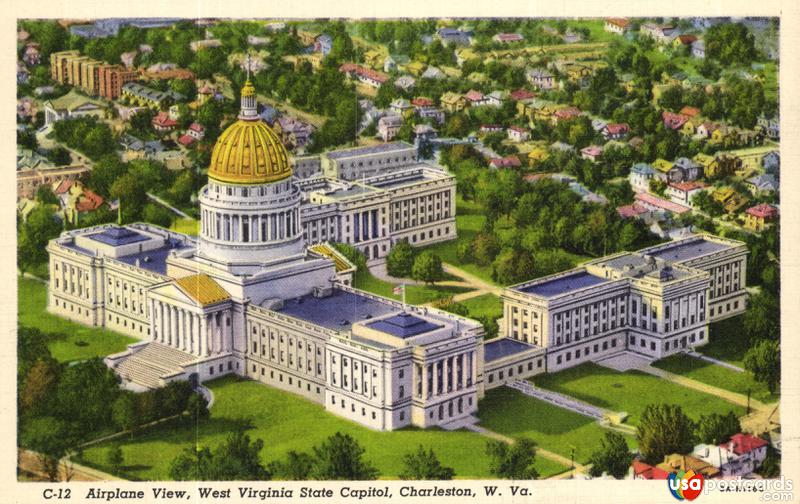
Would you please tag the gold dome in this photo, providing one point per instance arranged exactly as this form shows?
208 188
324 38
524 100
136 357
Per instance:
249 152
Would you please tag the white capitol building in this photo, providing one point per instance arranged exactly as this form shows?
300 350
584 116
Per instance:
260 293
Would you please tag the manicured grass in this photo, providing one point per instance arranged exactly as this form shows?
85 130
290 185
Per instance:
630 391
487 304
415 294
190 227
287 422
81 342
716 375
727 341
510 412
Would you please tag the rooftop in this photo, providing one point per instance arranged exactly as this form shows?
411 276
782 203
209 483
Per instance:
117 236
562 285
687 249
404 325
153 260
337 311
373 149
203 289
503 347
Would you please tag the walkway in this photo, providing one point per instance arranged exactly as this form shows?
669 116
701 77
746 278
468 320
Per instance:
560 400
28 461
378 270
170 207
712 360
729 396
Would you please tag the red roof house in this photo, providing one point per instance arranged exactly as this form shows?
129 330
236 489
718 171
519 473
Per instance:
630 211
422 102
88 201
745 443
521 94
763 211
672 120
162 122
690 111
506 162
642 470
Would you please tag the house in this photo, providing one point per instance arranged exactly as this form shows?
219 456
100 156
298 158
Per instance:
730 463
133 148
633 211
72 105
699 49
682 41
587 195
490 128
641 470
592 153
323 44
464 54
75 200
454 36
615 131
561 146
731 200
430 73
709 165
475 98
757 218
373 58
453 102
402 107
706 129
541 78
521 94
683 192
25 108
620 26
22 73
495 98
750 449
162 122
770 126
565 114
31 55
761 184
772 162
518 134
425 108
678 462
294 133
640 176
690 112
578 73
424 133
389 126
656 204
662 34
199 45
405 82
137 94
195 132
684 170
255 40
672 120
507 38
506 162
365 75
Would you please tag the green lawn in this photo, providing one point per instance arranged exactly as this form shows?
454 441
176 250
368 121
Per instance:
286 422
514 414
81 342
630 391
190 227
415 294
487 304
727 341
713 374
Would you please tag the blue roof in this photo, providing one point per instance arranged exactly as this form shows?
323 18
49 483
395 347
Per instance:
117 236
404 325
337 311
563 284
152 260
503 347
642 169
687 250
374 149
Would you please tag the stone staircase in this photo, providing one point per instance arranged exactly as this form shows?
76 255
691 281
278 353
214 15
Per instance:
459 423
153 361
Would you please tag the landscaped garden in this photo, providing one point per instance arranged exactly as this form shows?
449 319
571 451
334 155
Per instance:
79 341
630 391
287 422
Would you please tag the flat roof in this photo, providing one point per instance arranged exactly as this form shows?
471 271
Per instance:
404 325
683 251
117 236
382 184
152 260
503 347
373 149
338 311
562 285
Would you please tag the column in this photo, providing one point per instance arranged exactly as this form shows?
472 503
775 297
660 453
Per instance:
463 370
195 334
425 381
435 390
203 336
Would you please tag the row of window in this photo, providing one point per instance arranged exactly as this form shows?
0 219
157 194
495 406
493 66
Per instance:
587 350
520 369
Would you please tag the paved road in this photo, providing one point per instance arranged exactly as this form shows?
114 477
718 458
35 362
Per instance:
170 207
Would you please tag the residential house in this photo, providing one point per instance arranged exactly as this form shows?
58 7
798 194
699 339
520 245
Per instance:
518 134
255 40
475 98
742 455
402 107
757 218
709 165
505 162
682 41
684 192
565 114
373 58
495 98
662 34
145 96
194 133
678 462
770 126
389 126
323 44
615 131
365 75
425 108
731 200
521 94
454 36
294 133
620 26
31 54
198 45
684 170
662 167
561 146
508 38
72 105
133 148
640 176
22 73
634 211
424 133
641 470
537 155
75 200
656 204
163 123
592 153
541 78
762 184
690 112
672 120
464 54
419 68
405 82
699 49
25 108
587 195
453 102
772 163
485 129
706 129
578 73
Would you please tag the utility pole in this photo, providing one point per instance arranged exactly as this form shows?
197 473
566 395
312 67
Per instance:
748 401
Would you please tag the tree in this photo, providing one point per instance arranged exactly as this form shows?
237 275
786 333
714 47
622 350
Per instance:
104 172
664 429
37 390
45 195
340 457
762 318
86 393
51 439
196 408
114 457
400 260
771 466
157 214
730 44
236 459
715 428
296 467
427 267
613 457
764 361
423 465
132 196
124 413
513 461
40 227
